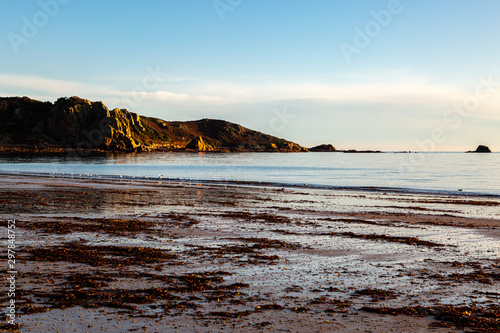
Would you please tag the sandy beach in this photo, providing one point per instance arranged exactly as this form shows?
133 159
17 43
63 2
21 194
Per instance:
151 255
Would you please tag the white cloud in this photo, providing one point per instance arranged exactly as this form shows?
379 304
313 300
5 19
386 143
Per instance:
416 90
167 96
49 87
340 94
399 92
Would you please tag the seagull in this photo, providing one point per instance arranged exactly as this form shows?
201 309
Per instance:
159 176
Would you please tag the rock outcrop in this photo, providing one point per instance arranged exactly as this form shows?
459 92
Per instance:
354 151
482 149
323 148
79 124
199 144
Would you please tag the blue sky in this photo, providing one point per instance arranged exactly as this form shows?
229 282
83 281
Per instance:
391 75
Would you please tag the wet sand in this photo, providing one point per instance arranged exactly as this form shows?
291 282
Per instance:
122 255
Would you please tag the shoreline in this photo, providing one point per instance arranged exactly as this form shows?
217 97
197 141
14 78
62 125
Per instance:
77 152
251 183
123 255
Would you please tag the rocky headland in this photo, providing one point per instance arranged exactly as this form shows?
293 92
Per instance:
72 124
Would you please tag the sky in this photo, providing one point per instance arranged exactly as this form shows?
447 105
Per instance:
367 74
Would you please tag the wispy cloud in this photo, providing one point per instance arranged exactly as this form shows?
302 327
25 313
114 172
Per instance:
167 96
51 89
415 91
405 93
28 84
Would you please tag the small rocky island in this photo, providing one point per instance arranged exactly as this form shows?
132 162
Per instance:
323 148
481 149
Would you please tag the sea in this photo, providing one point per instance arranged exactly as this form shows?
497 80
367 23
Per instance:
436 172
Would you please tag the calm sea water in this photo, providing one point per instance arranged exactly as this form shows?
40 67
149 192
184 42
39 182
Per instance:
448 172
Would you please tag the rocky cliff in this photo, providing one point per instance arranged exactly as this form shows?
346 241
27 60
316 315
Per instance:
78 124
